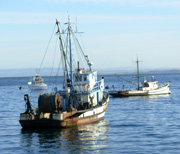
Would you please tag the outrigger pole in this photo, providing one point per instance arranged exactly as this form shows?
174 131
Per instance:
126 79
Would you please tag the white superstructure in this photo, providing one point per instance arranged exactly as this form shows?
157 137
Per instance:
36 83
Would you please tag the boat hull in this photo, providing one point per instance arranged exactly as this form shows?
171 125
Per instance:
50 123
128 93
65 119
161 90
37 86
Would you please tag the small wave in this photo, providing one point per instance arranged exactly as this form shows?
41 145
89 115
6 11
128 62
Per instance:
127 125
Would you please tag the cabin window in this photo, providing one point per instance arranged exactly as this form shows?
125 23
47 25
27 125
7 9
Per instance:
78 78
146 84
85 78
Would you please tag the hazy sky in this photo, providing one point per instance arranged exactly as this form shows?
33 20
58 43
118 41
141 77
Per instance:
116 31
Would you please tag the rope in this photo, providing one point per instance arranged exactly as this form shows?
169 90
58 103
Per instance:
77 45
53 58
33 106
46 50
58 70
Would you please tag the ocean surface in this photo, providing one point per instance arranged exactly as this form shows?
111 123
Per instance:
133 125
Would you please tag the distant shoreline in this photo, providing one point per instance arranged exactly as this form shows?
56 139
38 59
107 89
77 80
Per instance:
47 72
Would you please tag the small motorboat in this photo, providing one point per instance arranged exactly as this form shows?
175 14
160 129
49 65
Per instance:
36 83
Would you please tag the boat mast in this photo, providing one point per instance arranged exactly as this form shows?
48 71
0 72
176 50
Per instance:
70 50
138 71
64 57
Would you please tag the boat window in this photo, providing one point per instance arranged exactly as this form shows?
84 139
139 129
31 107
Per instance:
85 78
146 84
78 78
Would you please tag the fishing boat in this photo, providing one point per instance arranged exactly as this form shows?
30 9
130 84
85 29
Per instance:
36 83
147 88
81 100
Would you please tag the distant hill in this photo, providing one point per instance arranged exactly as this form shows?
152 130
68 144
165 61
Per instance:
26 72
142 71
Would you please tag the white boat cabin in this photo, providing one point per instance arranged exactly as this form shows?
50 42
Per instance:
37 79
149 85
87 86
36 83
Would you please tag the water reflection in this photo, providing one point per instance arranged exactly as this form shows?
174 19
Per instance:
86 137
158 96
142 97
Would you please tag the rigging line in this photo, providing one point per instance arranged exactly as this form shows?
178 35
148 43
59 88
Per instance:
55 79
78 52
63 60
84 59
78 45
58 70
78 55
83 44
125 79
80 48
46 49
85 51
74 59
81 59
34 106
74 62
54 57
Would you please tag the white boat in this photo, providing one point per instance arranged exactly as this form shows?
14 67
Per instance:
153 88
36 83
148 88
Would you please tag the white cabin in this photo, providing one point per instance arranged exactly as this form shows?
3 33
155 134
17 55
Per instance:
149 85
86 82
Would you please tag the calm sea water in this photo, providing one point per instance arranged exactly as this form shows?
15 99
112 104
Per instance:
132 125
